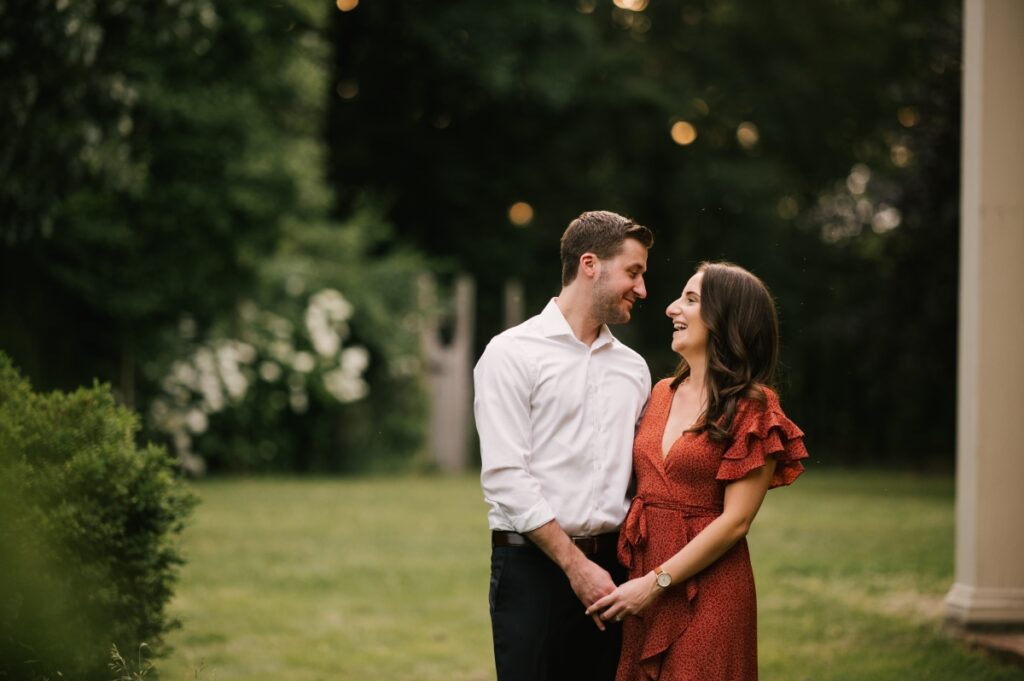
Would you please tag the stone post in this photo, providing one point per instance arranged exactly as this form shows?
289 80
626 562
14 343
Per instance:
448 364
514 303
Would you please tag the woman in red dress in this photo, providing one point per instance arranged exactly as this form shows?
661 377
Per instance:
712 442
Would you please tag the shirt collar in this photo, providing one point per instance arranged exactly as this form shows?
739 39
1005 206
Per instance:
553 324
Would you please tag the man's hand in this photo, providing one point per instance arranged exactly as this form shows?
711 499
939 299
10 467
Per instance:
589 582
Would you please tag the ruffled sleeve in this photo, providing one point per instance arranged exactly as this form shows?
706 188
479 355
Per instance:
760 431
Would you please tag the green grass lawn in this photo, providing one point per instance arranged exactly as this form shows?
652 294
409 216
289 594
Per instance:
386 579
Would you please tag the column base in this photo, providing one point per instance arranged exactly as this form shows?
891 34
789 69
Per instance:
974 607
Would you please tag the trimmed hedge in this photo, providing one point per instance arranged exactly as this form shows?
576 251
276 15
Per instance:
88 523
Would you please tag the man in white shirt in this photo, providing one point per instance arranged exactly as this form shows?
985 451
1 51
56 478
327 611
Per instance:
557 400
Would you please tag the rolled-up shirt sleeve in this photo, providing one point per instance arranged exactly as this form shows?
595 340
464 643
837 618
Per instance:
502 387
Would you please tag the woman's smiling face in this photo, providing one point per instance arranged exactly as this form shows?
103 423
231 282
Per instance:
690 334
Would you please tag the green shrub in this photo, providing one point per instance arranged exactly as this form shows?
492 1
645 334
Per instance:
87 522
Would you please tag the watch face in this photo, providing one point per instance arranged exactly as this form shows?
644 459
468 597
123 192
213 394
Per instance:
664 579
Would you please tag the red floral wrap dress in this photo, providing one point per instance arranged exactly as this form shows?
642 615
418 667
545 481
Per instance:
706 628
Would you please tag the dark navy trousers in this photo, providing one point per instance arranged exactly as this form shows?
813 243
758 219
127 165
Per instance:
540 630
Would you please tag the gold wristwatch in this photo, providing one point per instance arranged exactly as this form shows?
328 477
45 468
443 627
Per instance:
662 578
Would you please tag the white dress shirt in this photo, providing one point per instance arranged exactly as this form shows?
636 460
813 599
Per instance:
556 420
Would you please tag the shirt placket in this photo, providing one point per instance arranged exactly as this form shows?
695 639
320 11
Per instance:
595 450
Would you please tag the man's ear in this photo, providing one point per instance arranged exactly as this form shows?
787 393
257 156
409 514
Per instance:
590 265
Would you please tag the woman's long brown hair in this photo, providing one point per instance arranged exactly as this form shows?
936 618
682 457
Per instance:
743 343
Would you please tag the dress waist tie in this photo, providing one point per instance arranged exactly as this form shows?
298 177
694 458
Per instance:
634 530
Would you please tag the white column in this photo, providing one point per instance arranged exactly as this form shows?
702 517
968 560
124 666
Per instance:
989 586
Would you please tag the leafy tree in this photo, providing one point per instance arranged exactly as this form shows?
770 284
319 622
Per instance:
164 144
187 179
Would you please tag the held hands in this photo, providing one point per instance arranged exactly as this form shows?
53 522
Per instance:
590 582
630 598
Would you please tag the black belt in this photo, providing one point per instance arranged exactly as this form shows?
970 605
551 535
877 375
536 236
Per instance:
590 546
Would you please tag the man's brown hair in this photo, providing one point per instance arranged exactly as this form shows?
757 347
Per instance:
600 232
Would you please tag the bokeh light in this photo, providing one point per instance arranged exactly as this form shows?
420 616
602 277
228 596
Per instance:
631 5
683 133
857 180
900 155
520 213
908 116
886 219
348 88
747 135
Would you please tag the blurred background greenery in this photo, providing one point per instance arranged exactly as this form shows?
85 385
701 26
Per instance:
180 179
221 209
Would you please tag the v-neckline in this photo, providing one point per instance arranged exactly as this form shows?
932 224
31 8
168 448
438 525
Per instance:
664 426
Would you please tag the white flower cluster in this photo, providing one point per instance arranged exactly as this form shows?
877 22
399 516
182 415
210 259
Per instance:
220 372
325 321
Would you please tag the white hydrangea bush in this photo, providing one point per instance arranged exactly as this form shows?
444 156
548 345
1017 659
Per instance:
294 358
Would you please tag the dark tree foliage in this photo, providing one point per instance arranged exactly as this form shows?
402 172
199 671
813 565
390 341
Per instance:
162 168
825 160
143 173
